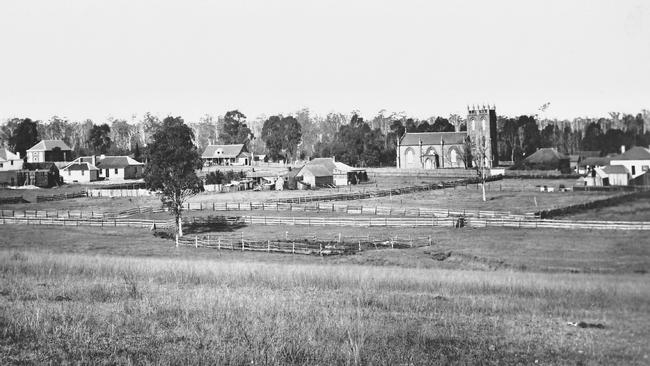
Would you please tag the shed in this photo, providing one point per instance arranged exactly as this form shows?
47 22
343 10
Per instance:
316 176
616 175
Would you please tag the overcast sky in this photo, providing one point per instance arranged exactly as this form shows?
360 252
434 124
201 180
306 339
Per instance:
95 59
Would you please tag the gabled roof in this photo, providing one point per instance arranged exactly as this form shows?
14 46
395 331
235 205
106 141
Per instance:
80 166
49 145
48 165
116 162
615 169
635 153
433 138
327 163
594 161
223 151
6 155
315 170
545 155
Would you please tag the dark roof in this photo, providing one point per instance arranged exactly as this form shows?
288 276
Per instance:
49 145
546 155
635 153
315 170
223 151
80 166
116 162
594 161
41 166
432 138
615 169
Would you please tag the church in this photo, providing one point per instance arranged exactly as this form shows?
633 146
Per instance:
438 150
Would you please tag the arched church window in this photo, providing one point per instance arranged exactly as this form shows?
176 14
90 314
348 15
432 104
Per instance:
410 156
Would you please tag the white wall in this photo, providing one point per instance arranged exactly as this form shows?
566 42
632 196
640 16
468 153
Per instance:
79 176
35 156
639 166
11 165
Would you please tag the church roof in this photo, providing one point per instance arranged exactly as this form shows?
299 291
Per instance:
433 138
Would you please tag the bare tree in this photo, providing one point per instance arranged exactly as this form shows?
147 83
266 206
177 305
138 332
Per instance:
480 155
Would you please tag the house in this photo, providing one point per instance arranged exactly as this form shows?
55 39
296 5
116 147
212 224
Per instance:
547 158
49 150
636 160
9 160
576 160
316 176
342 174
118 167
79 172
436 150
226 155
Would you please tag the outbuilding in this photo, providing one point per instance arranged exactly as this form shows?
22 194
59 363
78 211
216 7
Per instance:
79 172
316 176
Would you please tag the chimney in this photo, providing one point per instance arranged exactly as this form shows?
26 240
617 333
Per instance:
622 149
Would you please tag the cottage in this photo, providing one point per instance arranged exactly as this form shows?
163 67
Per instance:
636 160
119 167
226 155
615 175
79 172
10 161
49 150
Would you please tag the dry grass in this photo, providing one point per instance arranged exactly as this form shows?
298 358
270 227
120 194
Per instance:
637 210
96 309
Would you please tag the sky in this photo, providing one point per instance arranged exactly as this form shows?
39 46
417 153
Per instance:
99 59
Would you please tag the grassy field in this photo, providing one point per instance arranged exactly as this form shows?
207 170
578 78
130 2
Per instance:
637 210
500 197
61 308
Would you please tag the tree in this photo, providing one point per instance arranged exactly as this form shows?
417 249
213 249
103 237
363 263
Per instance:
172 160
442 125
100 138
480 155
281 136
234 129
25 135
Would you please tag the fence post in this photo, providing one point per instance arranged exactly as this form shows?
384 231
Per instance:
219 243
176 240
196 241
293 247
359 245
429 240
242 241
339 238
286 235
268 246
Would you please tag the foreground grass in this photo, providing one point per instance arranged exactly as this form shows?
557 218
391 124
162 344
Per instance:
59 308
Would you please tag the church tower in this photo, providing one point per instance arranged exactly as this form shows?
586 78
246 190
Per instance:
482 123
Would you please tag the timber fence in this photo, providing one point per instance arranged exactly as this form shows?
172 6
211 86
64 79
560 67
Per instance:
450 222
11 200
59 197
609 201
322 207
313 245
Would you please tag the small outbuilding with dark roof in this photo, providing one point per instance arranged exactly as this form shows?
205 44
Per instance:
547 158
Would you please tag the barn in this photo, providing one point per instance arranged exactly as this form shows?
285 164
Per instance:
547 158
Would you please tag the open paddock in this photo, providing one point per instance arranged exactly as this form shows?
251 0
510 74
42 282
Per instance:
501 196
635 210
64 307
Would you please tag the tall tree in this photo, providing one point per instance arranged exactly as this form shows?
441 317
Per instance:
100 138
281 136
25 135
234 129
172 161
442 125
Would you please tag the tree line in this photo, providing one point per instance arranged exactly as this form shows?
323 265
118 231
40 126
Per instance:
350 138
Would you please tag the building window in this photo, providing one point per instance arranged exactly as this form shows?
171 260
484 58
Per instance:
453 157
633 170
12 162
115 171
483 124
1 165
410 156
473 126
82 172
69 172
644 168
